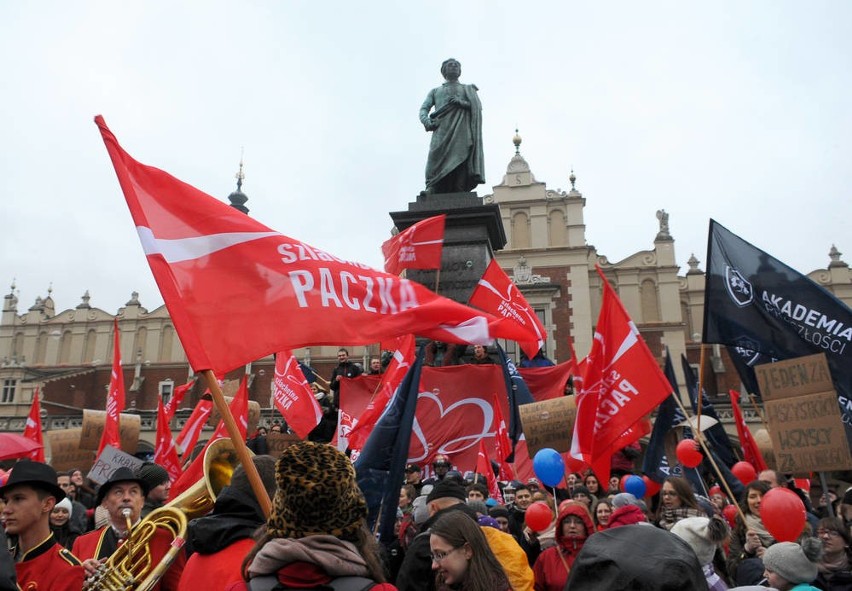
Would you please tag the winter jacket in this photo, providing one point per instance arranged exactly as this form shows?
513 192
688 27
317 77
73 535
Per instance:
626 515
554 564
840 580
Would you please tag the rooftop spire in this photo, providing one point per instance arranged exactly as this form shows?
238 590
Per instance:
238 198
517 141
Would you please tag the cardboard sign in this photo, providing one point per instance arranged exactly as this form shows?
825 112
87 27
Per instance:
110 460
278 442
549 424
803 414
93 429
253 415
65 452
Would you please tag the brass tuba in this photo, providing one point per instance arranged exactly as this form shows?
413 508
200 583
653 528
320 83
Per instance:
131 566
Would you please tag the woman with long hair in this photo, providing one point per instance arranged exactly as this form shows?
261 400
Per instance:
316 532
677 501
835 568
591 482
750 539
461 557
603 511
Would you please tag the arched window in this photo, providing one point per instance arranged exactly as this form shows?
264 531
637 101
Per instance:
89 346
520 230
18 346
139 342
166 341
65 348
41 348
650 301
558 231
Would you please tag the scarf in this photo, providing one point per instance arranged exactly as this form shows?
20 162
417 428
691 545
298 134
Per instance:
830 566
671 516
337 558
754 524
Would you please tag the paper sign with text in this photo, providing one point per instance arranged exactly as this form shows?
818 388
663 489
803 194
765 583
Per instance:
278 442
65 452
110 460
549 424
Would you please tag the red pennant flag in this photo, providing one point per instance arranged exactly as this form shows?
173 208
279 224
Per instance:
239 410
417 247
188 436
219 270
622 384
115 397
483 466
165 451
504 444
177 397
751 452
33 429
402 359
497 294
293 396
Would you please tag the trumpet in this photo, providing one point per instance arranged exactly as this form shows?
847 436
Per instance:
131 566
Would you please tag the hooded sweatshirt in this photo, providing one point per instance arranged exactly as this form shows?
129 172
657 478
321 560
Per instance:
553 565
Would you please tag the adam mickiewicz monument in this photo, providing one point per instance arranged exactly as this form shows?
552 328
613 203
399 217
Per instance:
455 162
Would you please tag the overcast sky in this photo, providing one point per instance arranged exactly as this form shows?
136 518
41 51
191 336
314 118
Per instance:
733 110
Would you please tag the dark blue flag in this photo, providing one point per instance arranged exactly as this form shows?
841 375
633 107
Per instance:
380 467
656 465
518 393
756 302
744 361
716 435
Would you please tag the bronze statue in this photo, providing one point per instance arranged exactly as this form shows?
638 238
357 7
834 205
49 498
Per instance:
455 162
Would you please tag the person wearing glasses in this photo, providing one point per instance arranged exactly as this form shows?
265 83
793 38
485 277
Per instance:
461 557
677 501
835 568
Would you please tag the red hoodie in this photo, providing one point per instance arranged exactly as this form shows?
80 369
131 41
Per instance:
552 567
627 515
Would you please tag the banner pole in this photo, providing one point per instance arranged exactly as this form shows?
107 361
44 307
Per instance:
824 484
698 394
700 439
437 279
757 410
239 442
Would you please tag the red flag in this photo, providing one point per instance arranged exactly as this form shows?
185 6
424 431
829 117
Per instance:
497 294
355 396
115 397
165 451
622 384
219 270
188 436
33 429
751 452
239 410
483 466
177 397
402 359
504 445
547 383
293 396
417 247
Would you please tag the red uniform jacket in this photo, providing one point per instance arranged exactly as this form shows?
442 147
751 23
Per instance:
217 570
49 567
101 543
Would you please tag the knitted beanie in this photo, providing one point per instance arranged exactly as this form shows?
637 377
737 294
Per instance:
153 475
623 499
792 562
64 504
317 494
447 489
702 534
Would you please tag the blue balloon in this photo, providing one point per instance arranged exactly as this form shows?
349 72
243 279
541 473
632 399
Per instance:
635 486
549 466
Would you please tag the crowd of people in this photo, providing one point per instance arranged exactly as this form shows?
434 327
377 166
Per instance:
451 533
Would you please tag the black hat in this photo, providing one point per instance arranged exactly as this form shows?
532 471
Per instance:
152 474
35 474
447 489
581 490
123 474
411 468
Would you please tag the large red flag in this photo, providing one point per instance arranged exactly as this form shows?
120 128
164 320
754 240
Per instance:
293 396
165 451
219 270
177 397
751 452
115 397
417 247
483 466
497 294
547 383
401 361
622 384
188 436
33 429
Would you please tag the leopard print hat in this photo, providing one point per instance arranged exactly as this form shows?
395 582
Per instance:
316 494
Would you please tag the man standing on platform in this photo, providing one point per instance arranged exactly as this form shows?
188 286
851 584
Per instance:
344 369
40 561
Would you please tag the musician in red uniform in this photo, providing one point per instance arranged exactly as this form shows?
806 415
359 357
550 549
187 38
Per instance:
125 491
41 563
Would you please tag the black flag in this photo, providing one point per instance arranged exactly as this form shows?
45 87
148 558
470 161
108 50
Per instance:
760 305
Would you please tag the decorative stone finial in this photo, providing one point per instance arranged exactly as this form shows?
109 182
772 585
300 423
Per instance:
134 299
835 255
693 265
573 179
84 304
517 141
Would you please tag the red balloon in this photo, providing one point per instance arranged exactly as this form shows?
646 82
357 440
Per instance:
744 471
730 513
652 487
688 453
538 516
783 514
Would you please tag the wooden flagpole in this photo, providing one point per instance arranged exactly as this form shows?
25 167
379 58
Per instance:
239 442
700 386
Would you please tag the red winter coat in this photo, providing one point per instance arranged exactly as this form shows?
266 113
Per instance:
553 565
627 515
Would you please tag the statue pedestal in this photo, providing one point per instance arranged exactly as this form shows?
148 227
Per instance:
474 231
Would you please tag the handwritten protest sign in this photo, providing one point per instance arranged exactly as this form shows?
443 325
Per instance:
253 413
804 418
549 424
65 452
278 442
93 429
110 460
